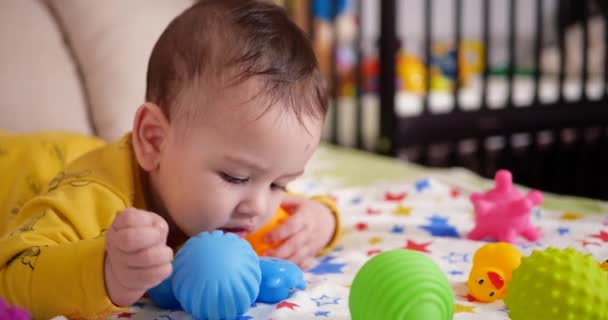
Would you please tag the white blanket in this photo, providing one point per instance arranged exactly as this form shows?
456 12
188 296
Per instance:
428 215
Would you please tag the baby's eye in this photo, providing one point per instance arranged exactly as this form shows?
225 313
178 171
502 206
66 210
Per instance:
232 179
279 187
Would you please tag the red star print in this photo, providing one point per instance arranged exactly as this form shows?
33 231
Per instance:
395 196
361 226
373 252
286 304
371 211
455 193
602 235
418 246
125 315
586 243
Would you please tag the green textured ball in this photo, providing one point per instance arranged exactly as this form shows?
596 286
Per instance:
401 284
558 284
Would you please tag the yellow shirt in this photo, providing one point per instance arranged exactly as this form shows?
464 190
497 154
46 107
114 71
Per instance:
52 246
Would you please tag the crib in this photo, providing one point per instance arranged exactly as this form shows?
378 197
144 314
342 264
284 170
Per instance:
534 101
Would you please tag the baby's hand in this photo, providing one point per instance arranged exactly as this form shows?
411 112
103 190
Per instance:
137 256
308 230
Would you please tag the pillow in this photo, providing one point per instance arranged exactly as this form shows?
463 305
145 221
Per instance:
112 41
40 87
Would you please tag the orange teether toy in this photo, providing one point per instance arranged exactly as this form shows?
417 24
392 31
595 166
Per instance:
256 239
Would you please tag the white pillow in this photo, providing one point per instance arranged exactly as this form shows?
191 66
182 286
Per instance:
39 83
112 41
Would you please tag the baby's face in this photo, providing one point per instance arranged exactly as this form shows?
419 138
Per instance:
231 171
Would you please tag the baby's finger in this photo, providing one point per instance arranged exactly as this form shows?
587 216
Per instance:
146 258
162 225
291 246
144 278
131 240
307 263
289 207
300 256
131 217
291 226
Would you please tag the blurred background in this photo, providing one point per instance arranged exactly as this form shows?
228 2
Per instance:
479 84
482 84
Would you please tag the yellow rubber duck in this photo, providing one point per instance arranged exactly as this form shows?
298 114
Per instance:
493 264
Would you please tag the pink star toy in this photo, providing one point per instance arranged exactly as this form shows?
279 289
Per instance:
503 213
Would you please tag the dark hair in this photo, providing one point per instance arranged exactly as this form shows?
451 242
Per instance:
227 42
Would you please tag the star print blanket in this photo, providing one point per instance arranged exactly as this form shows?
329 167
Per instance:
429 214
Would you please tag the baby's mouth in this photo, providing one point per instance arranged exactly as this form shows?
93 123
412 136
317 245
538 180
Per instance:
241 232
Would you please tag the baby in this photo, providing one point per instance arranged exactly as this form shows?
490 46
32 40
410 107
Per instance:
234 109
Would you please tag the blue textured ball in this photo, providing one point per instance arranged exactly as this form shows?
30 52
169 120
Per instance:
163 297
216 276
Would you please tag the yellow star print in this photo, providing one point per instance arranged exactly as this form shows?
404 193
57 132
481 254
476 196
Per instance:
375 240
461 308
571 216
402 211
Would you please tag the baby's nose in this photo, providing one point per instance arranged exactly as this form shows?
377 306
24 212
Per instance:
254 206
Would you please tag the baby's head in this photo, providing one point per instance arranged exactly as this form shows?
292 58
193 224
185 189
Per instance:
235 108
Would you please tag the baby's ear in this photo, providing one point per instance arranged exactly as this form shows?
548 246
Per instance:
150 132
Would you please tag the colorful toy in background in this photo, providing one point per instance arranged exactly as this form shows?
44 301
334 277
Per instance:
326 15
13 313
444 60
503 213
257 239
370 71
340 23
558 284
401 284
490 274
412 73
217 275
604 265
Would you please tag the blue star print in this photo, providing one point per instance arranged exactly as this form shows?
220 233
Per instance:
356 200
423 184
322 314
455 272
324 299
397 229
439 227
563 230
525 246
326 267
455 257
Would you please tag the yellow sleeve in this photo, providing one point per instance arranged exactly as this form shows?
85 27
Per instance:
331 204
29 161
52 261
